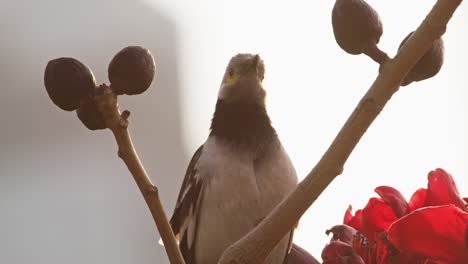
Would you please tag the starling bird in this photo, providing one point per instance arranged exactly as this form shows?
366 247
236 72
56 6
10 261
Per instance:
238 175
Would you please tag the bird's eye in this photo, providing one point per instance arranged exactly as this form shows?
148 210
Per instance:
231 76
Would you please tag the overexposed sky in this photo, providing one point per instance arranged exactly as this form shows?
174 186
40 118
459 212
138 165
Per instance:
313 86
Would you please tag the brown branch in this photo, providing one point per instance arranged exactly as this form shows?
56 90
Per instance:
118 124
256 245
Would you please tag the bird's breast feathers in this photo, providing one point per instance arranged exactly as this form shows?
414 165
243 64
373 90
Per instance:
239 189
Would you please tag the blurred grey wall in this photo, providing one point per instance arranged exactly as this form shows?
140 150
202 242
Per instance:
65 197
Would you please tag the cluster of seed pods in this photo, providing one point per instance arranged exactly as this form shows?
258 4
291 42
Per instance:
71 84
357 28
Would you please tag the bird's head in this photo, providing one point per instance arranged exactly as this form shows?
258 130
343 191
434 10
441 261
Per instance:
242 81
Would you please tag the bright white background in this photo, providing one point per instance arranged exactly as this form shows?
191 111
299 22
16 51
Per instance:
66 198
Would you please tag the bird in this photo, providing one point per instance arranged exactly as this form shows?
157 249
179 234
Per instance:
238 175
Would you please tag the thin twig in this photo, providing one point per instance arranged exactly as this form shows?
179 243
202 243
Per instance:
376 54
256 245
118 124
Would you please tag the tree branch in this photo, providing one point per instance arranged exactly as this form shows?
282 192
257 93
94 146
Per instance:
118 124
256 245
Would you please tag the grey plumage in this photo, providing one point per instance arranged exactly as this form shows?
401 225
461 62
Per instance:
238 175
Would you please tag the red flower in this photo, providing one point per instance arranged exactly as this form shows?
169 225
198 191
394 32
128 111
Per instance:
441 190
418 199
338 252
431 229
377 216
344 233
394 199
353 220
436 232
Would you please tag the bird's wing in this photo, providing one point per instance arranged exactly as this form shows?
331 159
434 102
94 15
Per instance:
185 216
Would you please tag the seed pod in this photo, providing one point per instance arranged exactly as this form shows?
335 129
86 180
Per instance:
429 65
356 25
67 81
131 71
299 255
89 115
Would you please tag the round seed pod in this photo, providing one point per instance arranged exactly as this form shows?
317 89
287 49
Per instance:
89 115
132 70
67 81
356 26
429 65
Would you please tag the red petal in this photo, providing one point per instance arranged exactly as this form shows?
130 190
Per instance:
433 232
354 259
338 252
361 247
402 258
385 252
377 216
298 255
418 200
394 199
336 249
466 237
430 261
344 233
442 190
348 215
381 254
353 221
